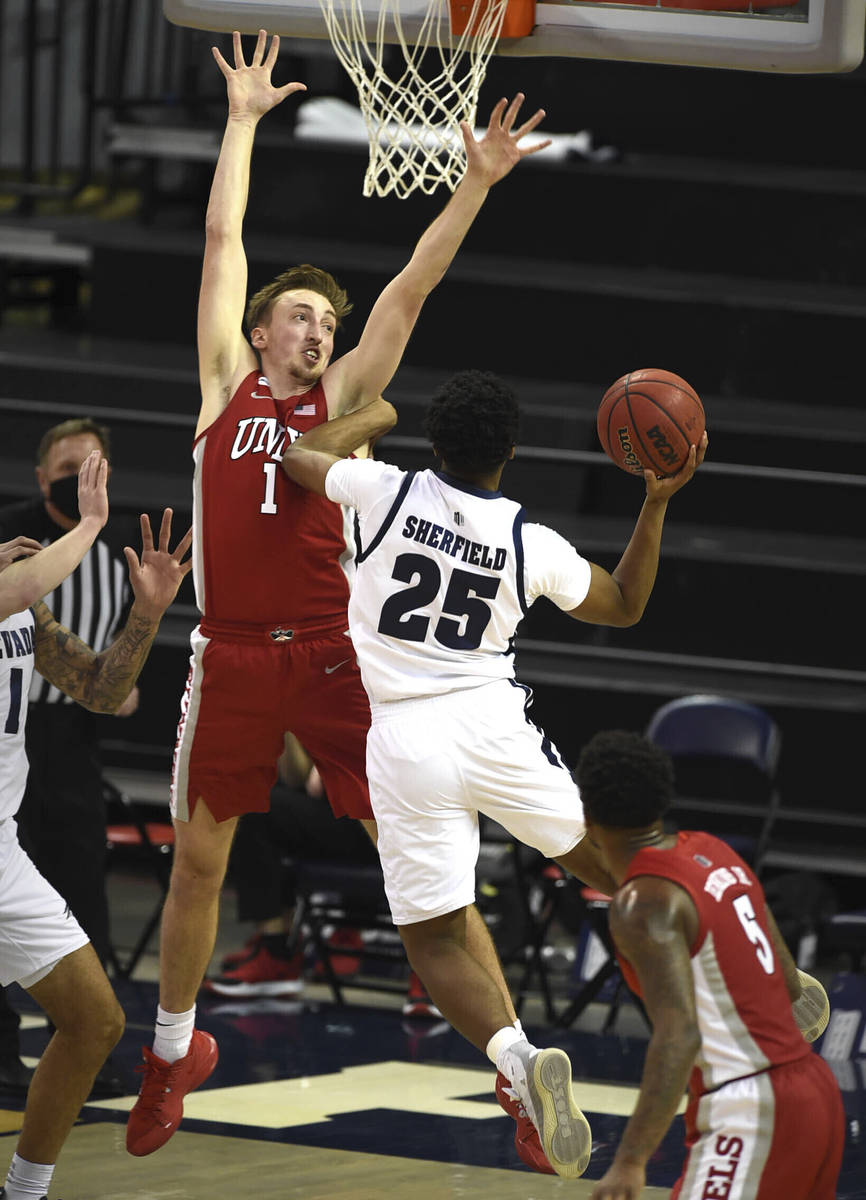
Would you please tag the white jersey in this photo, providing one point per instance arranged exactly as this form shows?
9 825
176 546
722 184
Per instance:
17 640
445 573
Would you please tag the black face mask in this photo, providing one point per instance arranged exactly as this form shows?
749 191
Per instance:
63 494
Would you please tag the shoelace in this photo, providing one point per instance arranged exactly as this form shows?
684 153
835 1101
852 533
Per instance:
156 1088
513 1094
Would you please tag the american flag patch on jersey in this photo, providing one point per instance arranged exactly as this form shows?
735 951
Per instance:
304 410
459 519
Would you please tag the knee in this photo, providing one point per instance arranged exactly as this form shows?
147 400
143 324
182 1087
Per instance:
104 1027
97 1028
196 874
113 1025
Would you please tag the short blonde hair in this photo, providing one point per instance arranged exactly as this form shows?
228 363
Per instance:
314 279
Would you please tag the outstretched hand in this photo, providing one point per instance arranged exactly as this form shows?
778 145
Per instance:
663 489
19 547
156 578
249 88
92 488
493 157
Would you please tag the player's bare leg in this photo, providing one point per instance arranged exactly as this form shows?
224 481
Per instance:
88 1022
470 998
480 945
182 1056
191 912
463 989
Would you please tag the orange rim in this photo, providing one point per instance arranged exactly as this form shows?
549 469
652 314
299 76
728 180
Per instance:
519 17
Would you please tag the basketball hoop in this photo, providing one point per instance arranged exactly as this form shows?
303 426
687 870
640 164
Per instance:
413 120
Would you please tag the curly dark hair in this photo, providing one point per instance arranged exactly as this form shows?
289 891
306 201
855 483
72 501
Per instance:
314 279
473 420
625 781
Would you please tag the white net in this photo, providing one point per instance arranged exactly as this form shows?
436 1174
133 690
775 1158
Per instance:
413 119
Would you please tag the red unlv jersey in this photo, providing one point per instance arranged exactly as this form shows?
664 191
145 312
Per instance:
743 1007
265 550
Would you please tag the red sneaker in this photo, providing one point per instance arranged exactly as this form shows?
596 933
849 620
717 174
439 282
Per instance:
235 957
418 1003
527 1143
343 965
261 974
159 1107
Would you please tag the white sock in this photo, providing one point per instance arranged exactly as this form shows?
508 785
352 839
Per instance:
173 1033
519 1027
501 1040
26 1179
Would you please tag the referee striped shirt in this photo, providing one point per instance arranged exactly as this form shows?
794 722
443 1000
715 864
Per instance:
94 600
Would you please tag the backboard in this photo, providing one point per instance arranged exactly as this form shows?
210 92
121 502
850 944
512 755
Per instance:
774 35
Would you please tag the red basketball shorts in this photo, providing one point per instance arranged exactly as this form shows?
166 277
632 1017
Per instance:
778 1135
243 695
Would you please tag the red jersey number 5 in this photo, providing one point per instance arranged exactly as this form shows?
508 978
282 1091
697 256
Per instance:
754 932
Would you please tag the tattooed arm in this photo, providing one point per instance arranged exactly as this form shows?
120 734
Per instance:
101 682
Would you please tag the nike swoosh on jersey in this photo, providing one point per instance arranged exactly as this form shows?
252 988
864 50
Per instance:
259 396
331 670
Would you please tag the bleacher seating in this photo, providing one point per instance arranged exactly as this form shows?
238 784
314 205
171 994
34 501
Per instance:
735 261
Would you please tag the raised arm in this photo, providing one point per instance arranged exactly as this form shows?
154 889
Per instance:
308 460
652 926
101 682
224 354
621 597
28 579
366 371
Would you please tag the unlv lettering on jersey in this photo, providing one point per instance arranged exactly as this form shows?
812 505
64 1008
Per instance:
267 551
271 437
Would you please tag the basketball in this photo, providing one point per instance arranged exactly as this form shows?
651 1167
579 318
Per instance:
648 419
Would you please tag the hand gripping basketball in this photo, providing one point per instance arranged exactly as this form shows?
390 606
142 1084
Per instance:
648 420
812 1008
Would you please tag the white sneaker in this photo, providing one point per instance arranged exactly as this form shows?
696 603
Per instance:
542 1079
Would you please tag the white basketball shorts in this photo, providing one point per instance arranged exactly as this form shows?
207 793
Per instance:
434 764
37 929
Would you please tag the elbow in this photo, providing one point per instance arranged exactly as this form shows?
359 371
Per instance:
623 617
19 597
289 462
96 702
679 1042
688 1042
217 231
691 1039
389 417
631 605
629 618
97 693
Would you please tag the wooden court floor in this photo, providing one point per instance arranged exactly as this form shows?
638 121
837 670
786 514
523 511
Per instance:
193 1166
315 1100
324 1102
